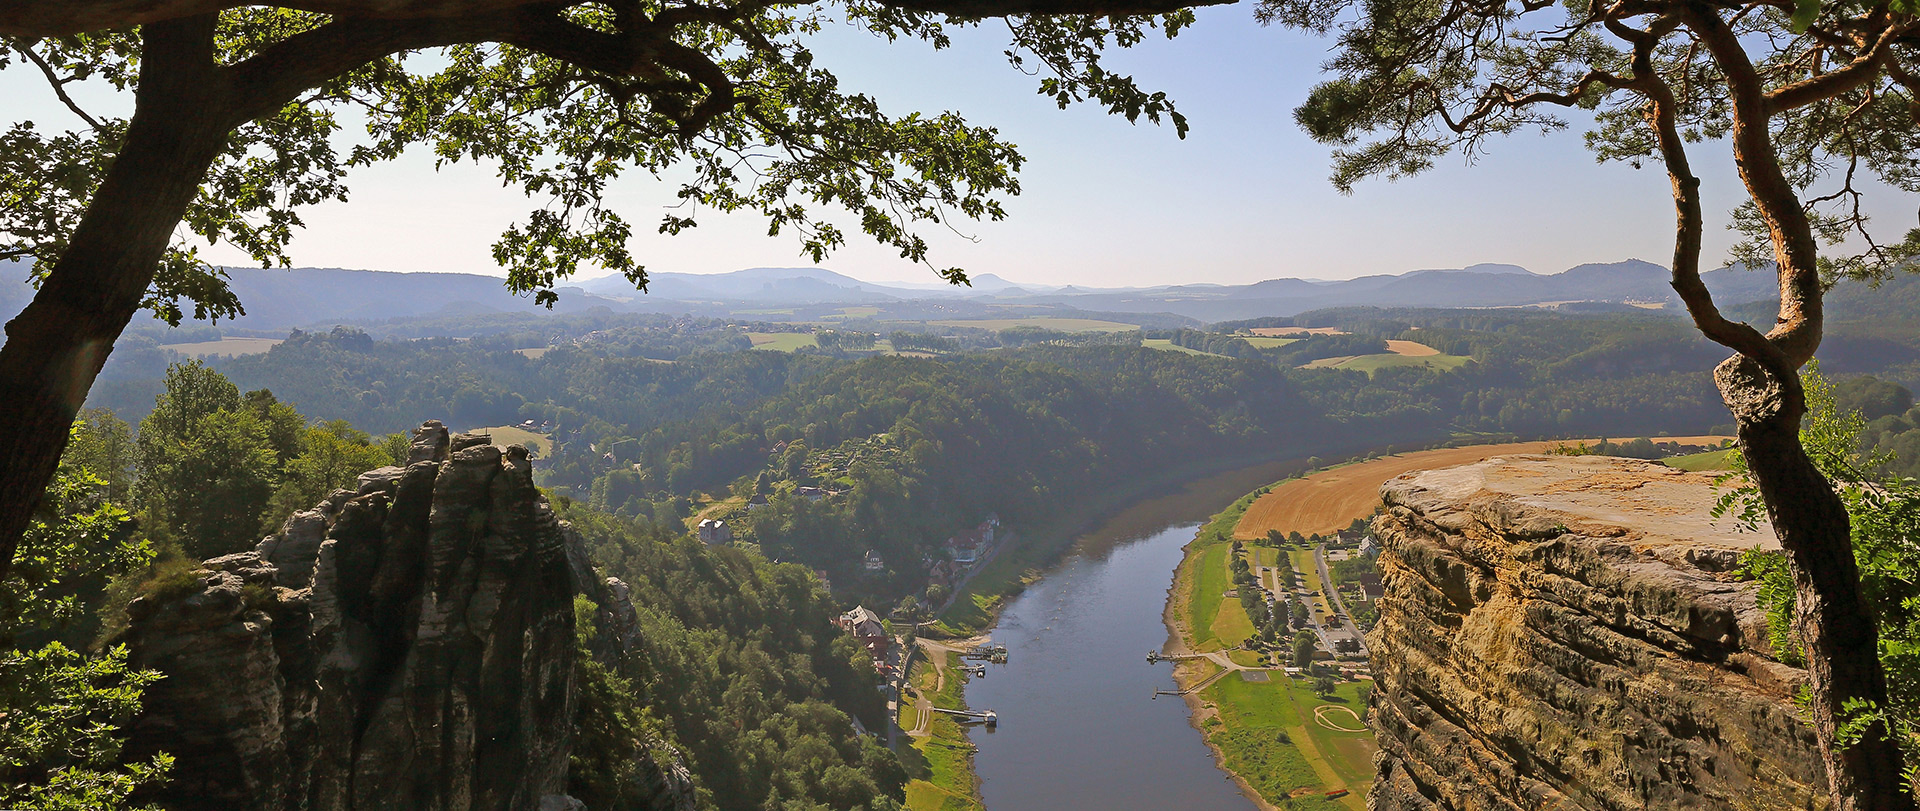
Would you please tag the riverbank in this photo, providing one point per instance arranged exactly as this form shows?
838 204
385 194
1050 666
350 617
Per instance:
1196 487
935 750
1279 740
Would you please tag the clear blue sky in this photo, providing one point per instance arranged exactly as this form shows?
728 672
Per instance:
1243 198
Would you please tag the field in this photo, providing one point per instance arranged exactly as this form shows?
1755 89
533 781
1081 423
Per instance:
1285 331
1331 499
1711 460
224 346
782 341
1401 353
1170 346
1212 621
508 435
532 354
1042 322
1269 342
1291 744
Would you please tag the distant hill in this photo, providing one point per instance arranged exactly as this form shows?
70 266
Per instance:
317 297
1478 286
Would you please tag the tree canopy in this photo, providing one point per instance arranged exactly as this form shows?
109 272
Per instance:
237 125
1812 98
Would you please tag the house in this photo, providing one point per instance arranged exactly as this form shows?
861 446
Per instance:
1370 587
821 575
756 502
873 562
966 548
714 531
811 493
864 625
1369 547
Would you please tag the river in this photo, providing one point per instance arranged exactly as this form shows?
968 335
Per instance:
1077 727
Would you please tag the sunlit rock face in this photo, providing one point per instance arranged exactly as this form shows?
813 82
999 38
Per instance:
1568 633
405 645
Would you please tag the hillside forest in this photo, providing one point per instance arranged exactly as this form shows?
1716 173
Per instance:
862 447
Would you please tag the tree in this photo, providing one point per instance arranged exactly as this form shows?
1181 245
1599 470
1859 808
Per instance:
103 447
1812 98
1324 686
331 455
206 463
235 109
59 739
1303 648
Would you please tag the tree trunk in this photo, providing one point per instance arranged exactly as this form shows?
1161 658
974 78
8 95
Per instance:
56 346
1831 616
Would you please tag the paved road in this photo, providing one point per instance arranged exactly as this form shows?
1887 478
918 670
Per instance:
1347 629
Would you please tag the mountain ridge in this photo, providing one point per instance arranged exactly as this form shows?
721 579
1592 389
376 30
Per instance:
317 297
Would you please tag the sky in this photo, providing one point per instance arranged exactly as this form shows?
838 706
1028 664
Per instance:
1244 197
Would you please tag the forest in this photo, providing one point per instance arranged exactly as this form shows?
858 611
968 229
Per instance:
763 685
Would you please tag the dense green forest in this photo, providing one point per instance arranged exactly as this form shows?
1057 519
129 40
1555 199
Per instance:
658 420
738 670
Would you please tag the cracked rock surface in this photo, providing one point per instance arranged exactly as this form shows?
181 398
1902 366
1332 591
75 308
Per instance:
404 645
1567 633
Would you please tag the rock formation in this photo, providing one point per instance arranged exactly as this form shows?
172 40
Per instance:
406 645
1567 633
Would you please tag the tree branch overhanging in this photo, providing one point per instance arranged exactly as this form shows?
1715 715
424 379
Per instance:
48 18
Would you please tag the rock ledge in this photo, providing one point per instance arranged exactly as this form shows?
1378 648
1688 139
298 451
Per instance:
1568 633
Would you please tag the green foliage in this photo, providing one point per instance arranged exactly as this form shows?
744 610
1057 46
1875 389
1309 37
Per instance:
332 455
206 462
729 101
1413 82
1884 514
60 709
739 663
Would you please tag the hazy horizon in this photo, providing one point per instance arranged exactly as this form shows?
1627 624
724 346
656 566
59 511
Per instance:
1244 198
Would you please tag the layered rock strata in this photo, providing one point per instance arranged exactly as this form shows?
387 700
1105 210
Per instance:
1568 633
408 644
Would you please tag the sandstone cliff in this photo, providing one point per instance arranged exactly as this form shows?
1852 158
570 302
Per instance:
1566 633
405 645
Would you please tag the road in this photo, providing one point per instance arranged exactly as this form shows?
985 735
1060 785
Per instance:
1347 629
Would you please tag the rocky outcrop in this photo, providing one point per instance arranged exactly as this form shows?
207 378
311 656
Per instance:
1567 633
404 645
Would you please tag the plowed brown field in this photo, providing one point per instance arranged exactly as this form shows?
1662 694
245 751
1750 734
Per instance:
1331 499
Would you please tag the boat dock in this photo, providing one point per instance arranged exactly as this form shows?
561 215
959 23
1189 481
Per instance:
987 717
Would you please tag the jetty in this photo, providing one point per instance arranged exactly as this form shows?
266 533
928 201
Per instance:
987 717
996 654
1156 657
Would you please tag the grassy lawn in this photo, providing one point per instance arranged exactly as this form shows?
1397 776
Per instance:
1270 738
1231 625
940 764
1246 658
508 435
1168 345
715 509
782 341
1210 579
1711 460
1043 322
533 354
224 346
